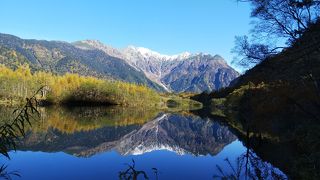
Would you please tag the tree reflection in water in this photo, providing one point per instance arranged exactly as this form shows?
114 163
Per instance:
248 166
132 173
11 131
7 175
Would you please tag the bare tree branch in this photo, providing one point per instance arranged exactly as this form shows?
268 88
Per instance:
274 19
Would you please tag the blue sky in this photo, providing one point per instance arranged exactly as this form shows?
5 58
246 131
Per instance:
166 26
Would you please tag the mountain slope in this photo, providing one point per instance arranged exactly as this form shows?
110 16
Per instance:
200 73
178 73
62 57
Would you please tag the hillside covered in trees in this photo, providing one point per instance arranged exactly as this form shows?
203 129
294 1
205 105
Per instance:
61 57
16 85
75 90
277 102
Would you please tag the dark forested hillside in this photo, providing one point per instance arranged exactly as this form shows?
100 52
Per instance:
278 103
61 57
294 63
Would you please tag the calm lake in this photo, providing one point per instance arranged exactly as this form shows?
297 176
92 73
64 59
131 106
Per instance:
103 143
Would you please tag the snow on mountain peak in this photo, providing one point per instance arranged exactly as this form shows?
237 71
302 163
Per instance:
148 53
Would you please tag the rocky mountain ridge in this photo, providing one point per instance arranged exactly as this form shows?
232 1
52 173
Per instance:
178 73
62 57
183 72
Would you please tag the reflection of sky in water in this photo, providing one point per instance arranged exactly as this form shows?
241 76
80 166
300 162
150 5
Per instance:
38 165
101 147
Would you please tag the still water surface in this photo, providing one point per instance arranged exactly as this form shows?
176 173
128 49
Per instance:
100 143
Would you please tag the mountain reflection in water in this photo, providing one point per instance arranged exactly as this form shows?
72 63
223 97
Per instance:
172 145
99 131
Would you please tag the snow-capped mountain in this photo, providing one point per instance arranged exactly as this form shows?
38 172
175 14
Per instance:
146 53
83 58
181 72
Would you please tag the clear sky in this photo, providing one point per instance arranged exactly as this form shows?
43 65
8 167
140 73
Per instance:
166 26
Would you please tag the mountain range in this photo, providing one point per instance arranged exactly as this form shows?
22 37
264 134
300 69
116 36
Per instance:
184 72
